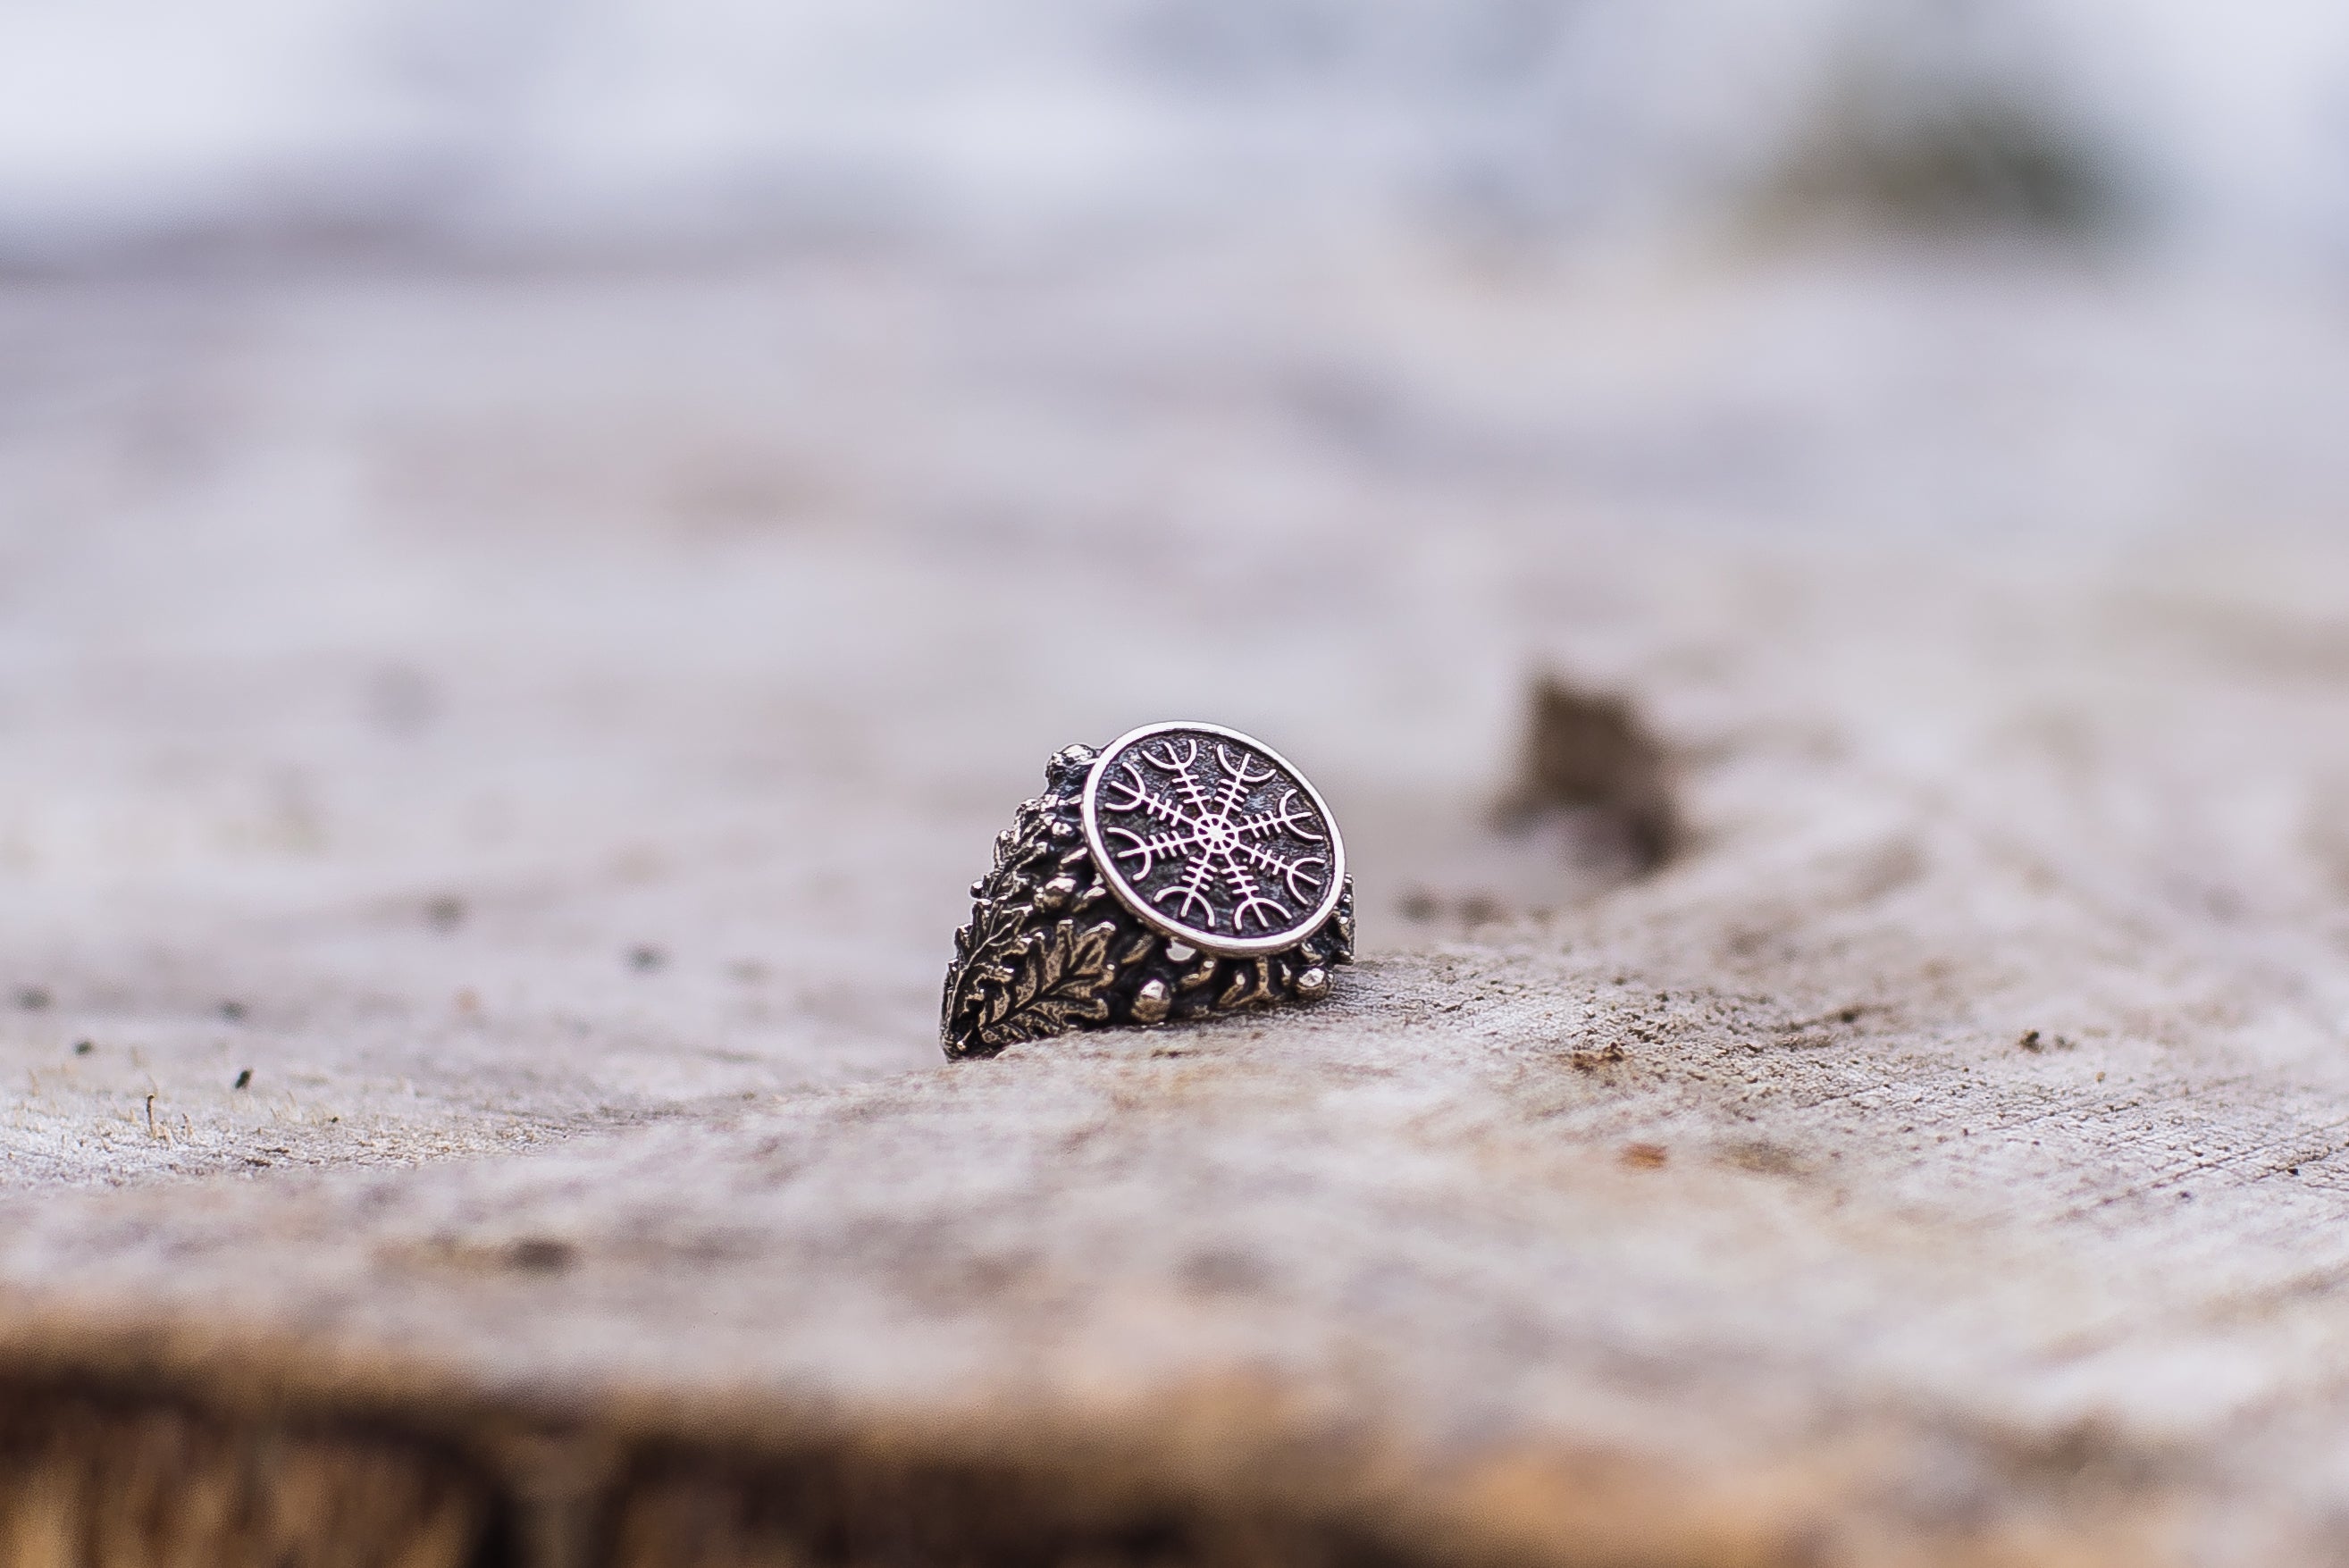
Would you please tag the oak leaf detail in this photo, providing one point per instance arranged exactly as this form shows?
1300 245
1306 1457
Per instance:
1057 983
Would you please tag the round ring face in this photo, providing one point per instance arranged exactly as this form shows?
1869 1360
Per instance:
1213 838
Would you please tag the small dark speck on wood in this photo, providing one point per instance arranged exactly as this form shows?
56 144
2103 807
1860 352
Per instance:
244 1079
1224 1271
647 958
32 998
1586 751
541 1255
83 1047
232 1011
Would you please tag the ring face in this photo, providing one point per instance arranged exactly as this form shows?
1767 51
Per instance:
1187 872
1211 837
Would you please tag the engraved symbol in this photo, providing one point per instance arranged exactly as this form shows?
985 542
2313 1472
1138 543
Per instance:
1200 837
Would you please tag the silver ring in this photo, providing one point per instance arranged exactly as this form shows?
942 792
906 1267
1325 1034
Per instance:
1182 869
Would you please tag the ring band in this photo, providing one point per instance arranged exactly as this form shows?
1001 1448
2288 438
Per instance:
1183 869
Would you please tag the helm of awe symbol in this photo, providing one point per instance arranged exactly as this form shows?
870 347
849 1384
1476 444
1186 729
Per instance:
1213 838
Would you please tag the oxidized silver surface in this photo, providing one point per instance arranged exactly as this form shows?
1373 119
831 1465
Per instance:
1183 869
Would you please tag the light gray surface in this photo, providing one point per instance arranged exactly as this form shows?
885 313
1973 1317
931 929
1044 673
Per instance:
1995 626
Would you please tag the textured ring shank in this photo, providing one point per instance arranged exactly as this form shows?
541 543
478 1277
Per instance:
1049 949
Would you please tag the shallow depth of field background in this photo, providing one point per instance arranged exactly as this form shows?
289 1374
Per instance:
513 127
538 544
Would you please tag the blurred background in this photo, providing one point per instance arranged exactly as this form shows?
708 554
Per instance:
512 128
538 544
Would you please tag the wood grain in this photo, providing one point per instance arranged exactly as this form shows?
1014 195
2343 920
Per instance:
565 733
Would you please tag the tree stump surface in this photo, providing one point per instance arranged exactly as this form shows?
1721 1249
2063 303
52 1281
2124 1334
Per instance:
493 764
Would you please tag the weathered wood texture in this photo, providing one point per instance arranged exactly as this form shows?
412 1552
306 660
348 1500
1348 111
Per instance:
561 717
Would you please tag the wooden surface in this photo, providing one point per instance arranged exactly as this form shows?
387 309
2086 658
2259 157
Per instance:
539 729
